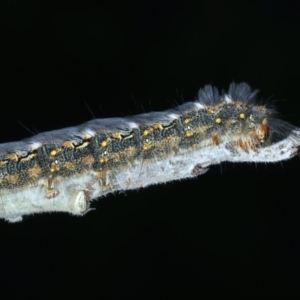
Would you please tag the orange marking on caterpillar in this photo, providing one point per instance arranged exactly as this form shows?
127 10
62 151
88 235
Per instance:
68 144
158 126
215 139
13 156
117 135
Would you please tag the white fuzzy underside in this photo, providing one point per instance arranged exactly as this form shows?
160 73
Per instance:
73 191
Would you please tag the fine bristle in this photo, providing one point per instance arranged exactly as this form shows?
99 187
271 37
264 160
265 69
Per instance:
209 95
242 92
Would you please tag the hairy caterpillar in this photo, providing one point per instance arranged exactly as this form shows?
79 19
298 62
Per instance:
63 170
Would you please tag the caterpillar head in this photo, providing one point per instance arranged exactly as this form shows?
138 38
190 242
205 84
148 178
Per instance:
257 125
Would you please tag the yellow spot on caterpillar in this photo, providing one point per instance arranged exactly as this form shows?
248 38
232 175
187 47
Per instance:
54 169
188 120
239 132
147 131
218 120
251 132
105 143
264 121
103 160
147 147
211 110
53 153
189 133
242 116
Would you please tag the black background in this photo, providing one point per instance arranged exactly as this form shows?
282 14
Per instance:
63 62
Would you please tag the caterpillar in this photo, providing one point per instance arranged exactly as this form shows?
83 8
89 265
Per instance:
64 170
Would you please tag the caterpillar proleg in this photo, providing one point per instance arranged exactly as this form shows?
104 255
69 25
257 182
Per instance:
64 170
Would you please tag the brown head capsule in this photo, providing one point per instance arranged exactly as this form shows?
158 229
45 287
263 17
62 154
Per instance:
261 131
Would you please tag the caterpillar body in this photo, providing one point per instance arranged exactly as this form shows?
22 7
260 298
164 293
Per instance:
64 170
